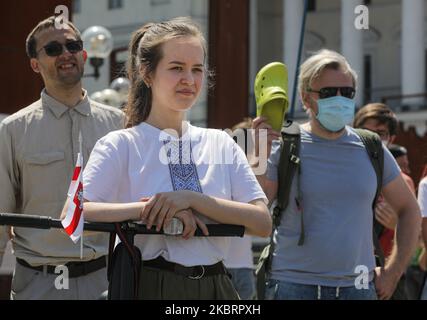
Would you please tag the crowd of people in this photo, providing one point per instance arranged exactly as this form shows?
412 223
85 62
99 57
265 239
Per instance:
148 164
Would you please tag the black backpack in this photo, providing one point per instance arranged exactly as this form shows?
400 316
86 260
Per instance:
289 164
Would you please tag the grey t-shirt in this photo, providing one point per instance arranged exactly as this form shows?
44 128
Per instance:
338 185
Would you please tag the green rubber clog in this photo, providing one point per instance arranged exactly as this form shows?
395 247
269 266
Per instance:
271 96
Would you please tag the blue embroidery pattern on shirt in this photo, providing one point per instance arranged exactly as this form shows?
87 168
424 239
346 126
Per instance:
183 171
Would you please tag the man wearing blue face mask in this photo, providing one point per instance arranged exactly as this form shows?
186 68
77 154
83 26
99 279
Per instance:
335 190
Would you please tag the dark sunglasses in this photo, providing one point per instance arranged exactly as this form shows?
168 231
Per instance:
328 92
54 48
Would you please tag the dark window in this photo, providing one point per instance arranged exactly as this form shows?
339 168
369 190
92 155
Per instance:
77 6
159 2
115 4
311 5
367 2
368 78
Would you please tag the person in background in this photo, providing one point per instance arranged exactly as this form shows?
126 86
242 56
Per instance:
38 151
422 200
239 259
379 118
400 153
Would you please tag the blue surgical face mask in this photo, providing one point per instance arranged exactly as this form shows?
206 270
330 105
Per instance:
335 112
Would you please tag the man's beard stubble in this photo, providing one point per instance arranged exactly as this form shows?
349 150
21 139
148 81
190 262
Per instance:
70 80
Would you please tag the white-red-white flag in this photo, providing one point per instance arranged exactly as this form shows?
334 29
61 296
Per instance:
74 221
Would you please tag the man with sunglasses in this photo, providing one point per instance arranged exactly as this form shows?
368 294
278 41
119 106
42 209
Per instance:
328 254
38 151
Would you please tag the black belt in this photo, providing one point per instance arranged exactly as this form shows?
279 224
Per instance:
75 269
195 272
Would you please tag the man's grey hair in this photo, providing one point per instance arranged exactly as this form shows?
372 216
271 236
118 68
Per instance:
311 69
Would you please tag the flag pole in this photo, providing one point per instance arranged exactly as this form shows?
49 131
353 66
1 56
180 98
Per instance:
81 155
300 47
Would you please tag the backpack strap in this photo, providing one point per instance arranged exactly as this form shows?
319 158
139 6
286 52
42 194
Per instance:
289 163
374 148
110 253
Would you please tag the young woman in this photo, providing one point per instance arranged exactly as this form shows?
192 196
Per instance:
162 167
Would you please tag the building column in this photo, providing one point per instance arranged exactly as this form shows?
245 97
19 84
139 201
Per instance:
413 61
293 11
352 45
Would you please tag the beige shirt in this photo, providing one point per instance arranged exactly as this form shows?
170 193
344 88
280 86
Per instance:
38 151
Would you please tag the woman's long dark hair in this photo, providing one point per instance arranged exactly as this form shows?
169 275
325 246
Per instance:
145 52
